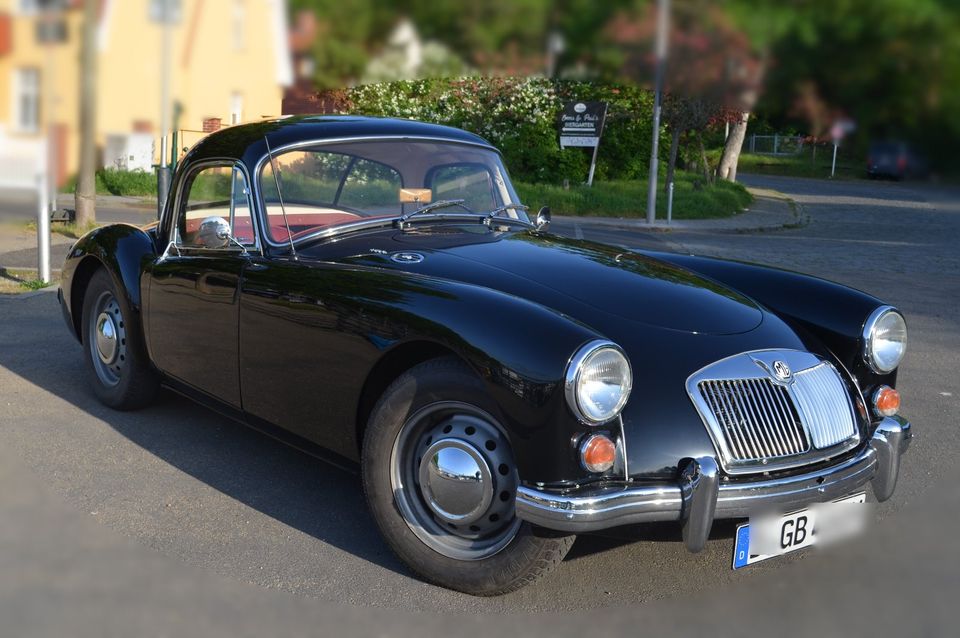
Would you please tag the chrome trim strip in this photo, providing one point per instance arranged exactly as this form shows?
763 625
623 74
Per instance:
261 205
592 509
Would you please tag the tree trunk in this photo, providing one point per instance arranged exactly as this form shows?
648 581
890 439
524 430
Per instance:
727 169
675 133
707 173
85 196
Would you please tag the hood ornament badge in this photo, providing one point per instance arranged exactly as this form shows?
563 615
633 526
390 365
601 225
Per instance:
781 371
406 258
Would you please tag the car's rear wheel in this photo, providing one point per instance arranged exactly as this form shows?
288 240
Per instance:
441 481
113 348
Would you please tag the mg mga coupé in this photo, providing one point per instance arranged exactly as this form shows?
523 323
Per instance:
373 291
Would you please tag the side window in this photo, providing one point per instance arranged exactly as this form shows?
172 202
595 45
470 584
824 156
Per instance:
214 191
371 187
469 182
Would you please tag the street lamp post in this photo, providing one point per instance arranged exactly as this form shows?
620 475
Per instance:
663 17
168 10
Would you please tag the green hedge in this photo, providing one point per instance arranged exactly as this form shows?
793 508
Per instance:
111 181
519 116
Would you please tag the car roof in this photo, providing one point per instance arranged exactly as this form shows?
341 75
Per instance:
246 141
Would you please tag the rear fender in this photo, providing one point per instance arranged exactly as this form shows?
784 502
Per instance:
121 249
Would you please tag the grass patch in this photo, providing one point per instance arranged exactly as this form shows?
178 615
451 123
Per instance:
802 165
14 281
111 181
692 198
72 230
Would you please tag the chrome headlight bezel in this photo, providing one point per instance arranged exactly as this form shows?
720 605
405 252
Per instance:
869 337
573 377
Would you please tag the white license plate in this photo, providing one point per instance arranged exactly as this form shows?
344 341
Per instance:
773 535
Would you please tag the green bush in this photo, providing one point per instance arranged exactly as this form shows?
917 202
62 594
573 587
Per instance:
519 116
117 182
111 181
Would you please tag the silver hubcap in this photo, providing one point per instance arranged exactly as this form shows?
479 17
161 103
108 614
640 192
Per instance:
106 338
454 481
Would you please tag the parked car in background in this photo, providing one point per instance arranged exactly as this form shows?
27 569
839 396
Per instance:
895 160
374 292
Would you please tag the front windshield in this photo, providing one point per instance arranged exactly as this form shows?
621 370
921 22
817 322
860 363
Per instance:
328 185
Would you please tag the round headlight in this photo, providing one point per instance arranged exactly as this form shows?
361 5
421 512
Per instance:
598 382
884 339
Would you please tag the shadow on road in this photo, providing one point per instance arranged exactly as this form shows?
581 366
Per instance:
284 483
281 482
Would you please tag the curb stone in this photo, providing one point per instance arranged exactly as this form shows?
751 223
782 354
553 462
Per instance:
782 213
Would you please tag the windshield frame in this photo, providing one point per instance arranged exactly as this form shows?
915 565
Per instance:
373 222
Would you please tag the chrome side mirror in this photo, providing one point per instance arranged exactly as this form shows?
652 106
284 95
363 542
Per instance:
214 232
543 218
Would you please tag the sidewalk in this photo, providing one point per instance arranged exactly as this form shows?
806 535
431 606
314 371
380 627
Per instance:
771 210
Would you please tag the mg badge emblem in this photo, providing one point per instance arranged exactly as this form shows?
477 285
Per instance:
782 371
407 258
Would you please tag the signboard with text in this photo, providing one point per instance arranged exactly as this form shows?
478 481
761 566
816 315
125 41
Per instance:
581 124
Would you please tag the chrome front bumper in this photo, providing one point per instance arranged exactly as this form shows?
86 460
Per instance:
700 496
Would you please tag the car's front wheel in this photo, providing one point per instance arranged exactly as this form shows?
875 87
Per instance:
441 482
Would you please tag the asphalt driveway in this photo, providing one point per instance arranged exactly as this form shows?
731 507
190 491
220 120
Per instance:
175 521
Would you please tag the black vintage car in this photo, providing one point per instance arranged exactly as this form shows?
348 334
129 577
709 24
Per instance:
373 291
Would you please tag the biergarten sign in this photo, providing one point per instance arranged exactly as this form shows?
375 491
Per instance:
581 123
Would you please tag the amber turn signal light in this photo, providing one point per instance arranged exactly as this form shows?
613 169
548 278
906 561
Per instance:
886 401
597 453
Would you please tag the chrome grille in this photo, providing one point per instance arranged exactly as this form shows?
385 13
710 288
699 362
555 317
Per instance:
758 418
760 422
820 397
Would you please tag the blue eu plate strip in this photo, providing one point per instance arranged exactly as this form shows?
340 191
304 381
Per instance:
741 550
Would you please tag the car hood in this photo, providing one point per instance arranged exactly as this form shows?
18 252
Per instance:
593 283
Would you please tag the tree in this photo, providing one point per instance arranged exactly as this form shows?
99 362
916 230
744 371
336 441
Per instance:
85 196
710 65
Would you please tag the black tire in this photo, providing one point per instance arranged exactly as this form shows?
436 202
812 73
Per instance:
125 380
518 552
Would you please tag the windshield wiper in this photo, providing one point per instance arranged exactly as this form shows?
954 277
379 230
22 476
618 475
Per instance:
505 208
440 203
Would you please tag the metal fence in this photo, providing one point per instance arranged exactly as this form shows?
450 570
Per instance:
776 144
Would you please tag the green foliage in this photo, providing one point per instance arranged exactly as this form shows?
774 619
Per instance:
111 181
118 182
519 116
692 198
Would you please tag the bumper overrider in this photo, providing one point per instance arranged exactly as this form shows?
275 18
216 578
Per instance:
700 496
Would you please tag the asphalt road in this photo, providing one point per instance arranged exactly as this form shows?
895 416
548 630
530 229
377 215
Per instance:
175 521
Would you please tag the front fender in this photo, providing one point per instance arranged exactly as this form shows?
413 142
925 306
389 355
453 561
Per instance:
833 313
121 249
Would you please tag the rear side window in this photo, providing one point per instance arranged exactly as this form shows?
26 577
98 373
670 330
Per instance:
214 191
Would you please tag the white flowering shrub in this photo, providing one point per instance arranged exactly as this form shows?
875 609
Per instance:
519 116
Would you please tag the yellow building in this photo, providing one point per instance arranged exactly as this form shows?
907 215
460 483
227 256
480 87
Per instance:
229 62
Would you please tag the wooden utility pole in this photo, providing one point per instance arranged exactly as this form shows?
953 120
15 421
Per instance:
85 197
